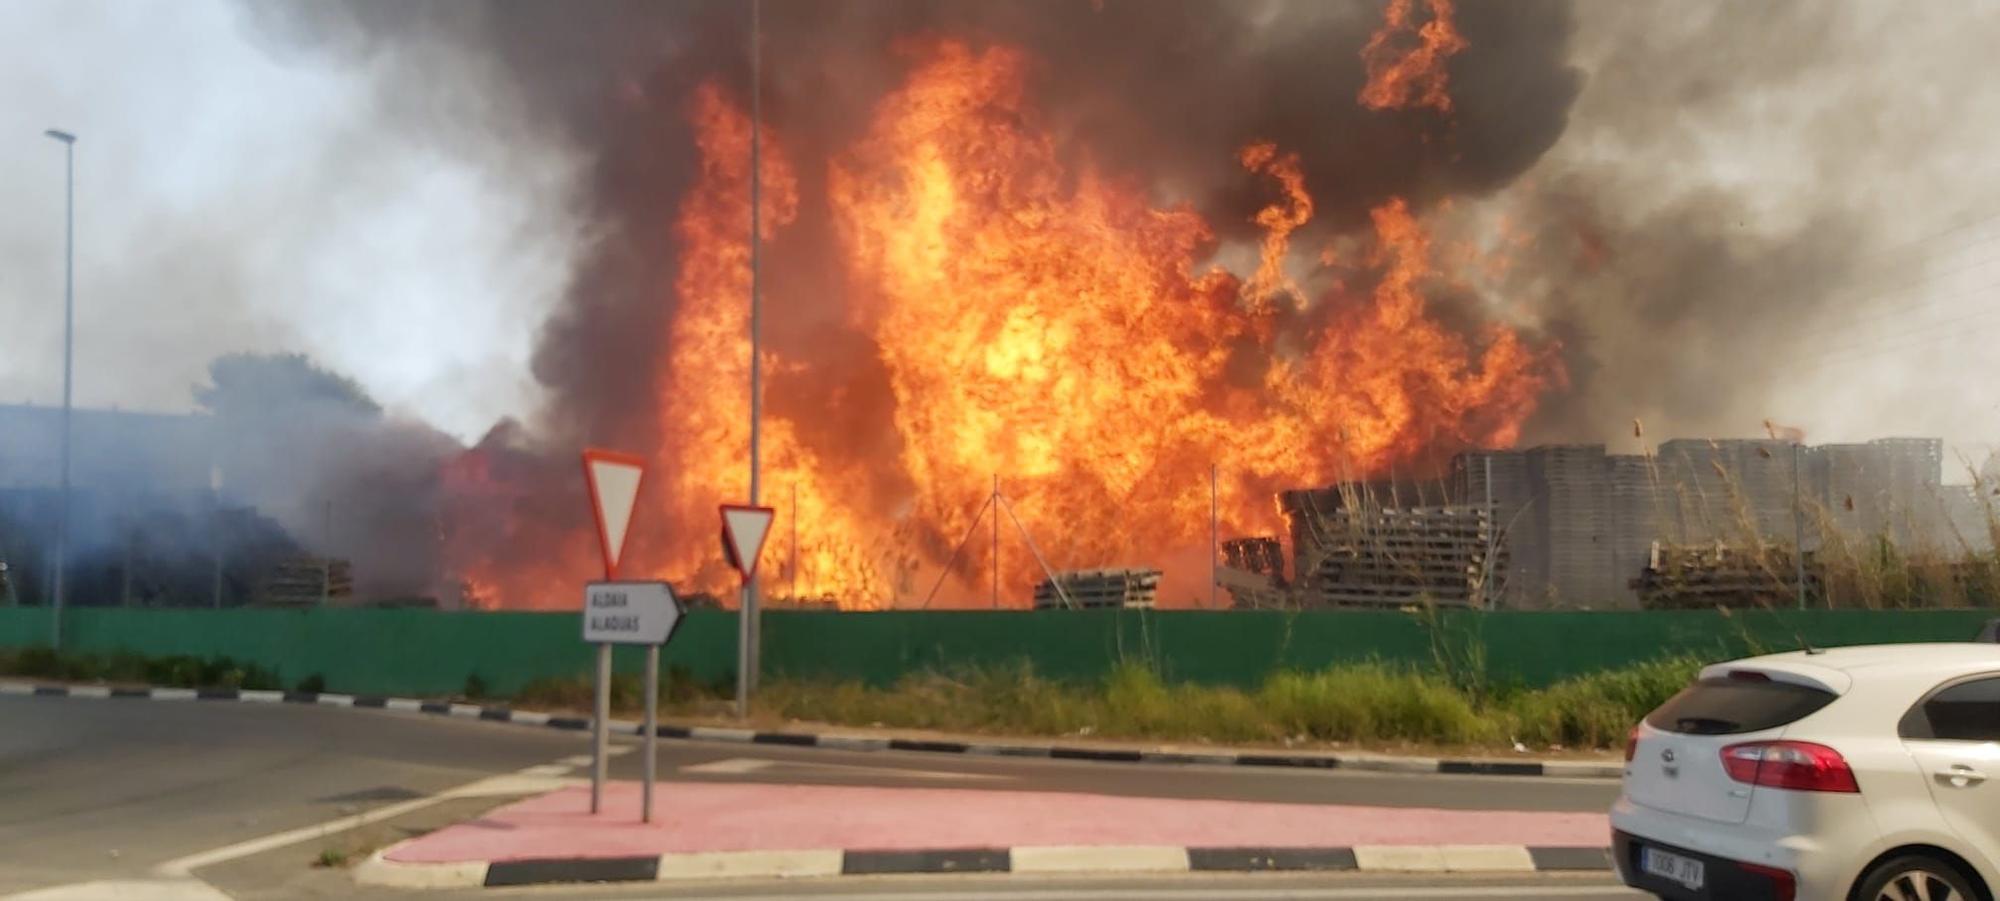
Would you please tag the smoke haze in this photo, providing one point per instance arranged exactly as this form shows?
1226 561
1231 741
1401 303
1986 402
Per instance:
1718 213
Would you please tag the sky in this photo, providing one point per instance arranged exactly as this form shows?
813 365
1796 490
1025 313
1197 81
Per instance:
232 197
237 195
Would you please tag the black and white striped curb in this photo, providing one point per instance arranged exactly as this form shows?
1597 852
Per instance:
848 742
1070 859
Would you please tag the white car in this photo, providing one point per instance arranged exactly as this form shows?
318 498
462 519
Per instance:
1867 773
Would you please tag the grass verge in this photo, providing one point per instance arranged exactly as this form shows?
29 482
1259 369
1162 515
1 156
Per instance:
1360 703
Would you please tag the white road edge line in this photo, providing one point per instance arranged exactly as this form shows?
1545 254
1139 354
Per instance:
1289 892
1100 859
750 864
378 870
185 866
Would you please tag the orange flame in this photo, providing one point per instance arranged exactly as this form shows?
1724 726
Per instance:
707 386
1402 74
1052 325
1279 221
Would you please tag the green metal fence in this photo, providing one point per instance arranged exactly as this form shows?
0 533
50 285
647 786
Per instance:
431 652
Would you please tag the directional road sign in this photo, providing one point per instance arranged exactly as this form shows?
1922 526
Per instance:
630 612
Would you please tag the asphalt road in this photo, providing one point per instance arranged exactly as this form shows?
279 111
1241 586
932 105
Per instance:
100 789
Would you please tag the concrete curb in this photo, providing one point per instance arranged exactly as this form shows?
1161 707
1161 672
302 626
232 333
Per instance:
1071 860
849 742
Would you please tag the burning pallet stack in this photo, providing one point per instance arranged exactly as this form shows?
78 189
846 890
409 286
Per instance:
1253 572
1363 555
1100 588
1700 577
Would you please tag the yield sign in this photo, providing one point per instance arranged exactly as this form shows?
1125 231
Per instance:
614 489
743 532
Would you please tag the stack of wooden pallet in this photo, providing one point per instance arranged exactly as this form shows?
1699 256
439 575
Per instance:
1262 555
1683 577
306 582
1389 557
1100 588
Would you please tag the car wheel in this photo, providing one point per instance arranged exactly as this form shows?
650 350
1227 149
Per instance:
1915 878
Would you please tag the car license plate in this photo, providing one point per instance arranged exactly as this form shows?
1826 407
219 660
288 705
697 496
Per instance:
1687 871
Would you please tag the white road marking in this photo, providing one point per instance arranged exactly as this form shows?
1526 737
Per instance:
736 766
505 784
148 889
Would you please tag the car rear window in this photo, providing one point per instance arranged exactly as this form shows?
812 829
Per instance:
1724 706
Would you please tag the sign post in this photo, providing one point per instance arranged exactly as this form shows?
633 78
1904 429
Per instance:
613 479
641 613
744 529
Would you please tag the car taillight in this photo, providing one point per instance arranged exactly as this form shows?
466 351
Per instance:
1631 743
1784 885
1797 765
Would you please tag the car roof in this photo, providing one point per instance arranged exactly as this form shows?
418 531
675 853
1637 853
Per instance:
1836 668
1946 655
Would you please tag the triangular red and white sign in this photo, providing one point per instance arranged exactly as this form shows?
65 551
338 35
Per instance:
614 491
743 532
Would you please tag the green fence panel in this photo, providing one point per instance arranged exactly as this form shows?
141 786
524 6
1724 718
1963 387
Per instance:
433 652
378 651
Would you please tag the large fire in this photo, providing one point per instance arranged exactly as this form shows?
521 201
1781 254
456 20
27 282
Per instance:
1054 326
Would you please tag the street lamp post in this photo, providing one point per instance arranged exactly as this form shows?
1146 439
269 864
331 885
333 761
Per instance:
748 641
69 343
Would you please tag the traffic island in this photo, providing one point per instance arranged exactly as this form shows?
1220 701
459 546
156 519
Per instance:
742 830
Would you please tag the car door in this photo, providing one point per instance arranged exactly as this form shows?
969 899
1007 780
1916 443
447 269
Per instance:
1954 734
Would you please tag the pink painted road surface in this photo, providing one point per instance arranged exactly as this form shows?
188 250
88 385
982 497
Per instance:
709 816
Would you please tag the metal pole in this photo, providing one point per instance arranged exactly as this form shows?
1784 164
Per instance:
1798 529
652 731
69 348
795 542
746 631
326 559
1214 537
215 545
1492 538
600 728
996 543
